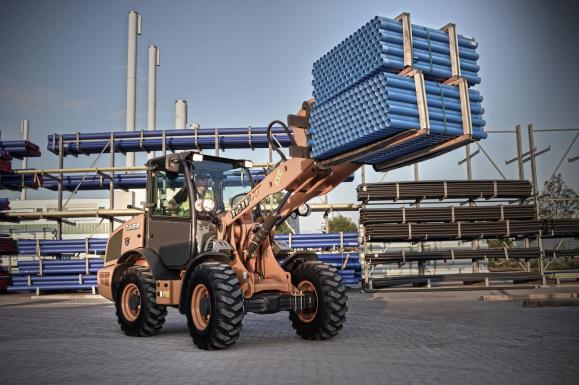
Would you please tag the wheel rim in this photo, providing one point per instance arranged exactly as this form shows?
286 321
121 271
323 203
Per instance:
307 286
131 302
201 307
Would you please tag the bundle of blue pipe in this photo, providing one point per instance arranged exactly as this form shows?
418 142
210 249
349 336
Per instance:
378 46
4 204
63 246
20 148
319 240
385 105
228 138
98 245
360 99
348 265
70 182
61 275
17 181
62 267
80 274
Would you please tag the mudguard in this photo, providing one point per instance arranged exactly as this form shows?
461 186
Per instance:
158 269
298 258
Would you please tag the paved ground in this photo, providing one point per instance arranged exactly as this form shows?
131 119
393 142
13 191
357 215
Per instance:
395 338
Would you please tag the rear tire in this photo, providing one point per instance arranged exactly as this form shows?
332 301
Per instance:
135 302
214 306
330 313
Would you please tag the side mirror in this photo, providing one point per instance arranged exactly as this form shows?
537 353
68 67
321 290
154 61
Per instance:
173 163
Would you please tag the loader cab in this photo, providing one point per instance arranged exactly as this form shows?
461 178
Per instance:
186 193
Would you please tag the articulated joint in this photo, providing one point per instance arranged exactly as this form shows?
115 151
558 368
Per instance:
268 303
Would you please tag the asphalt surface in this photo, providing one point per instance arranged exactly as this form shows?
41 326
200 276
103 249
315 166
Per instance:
393 338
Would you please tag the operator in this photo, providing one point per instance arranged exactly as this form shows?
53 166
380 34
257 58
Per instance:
180 203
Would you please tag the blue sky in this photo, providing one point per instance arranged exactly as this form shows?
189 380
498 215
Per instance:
240 63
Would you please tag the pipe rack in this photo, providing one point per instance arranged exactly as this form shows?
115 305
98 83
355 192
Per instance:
439 189
447 214
451 231
403 256
515 277
163 140
108 213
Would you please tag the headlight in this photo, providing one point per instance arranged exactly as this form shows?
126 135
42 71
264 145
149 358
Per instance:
199 205
208 204
304 210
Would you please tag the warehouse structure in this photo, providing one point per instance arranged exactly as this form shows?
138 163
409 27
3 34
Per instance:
432 220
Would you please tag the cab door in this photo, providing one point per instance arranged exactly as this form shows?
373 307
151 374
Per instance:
169 227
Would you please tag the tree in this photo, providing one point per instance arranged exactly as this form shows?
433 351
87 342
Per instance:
340 223
557 200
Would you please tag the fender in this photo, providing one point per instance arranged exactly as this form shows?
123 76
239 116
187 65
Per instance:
158 269
297 258
198 259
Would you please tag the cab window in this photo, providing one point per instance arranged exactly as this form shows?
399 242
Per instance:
171 196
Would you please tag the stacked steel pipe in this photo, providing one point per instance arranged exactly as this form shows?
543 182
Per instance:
377 232
438 189
4 207
451 254
5 162
515 277
7 245
447 214
427 223
561 227
487 220
371 87
20 148
157 140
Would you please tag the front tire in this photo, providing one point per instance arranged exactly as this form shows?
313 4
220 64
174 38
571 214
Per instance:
329 315
137 311
214 306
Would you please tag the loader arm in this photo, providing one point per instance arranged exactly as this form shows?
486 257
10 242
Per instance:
302 179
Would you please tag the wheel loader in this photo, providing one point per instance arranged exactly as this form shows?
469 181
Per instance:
204 244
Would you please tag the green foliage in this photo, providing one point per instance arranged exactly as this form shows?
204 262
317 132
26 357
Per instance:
340 223
557 200
499 243
282 228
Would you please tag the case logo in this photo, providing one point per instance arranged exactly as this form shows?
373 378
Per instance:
132 226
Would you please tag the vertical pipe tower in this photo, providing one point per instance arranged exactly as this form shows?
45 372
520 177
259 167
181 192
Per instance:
154 62
180 114
134 30
25 136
